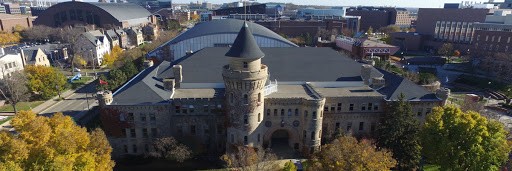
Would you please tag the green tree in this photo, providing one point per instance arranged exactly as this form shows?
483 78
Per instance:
116 78
399 132
457 140
45 81
129 69
54 143
289 166
369 31
446 50
347 153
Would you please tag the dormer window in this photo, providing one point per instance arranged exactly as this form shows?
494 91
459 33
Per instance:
246 65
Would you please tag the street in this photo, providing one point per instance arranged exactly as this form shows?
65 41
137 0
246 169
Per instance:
76 105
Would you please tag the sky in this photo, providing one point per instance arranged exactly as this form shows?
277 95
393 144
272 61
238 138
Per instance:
393 3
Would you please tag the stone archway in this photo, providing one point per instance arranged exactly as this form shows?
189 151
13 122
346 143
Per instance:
281 142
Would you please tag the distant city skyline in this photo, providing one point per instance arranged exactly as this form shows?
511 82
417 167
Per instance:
397 3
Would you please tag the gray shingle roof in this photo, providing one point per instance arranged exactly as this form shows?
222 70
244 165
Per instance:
396 85
285 64
245 45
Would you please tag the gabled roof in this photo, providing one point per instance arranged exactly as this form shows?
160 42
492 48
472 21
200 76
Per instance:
112 34
245 46
30 54
396 85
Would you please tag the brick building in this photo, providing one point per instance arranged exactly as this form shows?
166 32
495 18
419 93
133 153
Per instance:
438 26
288 98
377 17
8 22
294 28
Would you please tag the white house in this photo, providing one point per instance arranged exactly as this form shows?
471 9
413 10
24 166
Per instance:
9 63
92 46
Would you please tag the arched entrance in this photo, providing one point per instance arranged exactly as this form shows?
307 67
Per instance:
280 144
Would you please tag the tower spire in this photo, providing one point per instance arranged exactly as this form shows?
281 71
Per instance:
245 45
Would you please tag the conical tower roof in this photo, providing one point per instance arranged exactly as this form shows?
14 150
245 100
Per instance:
245 45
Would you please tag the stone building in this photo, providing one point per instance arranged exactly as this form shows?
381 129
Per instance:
287 98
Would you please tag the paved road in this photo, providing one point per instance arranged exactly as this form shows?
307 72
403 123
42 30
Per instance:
76 104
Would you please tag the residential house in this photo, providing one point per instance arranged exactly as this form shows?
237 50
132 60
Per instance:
34 57
54 52
123 38
93 45
135 36
9 62
112 37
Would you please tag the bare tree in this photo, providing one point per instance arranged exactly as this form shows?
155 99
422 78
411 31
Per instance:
170 149
14 89
248 158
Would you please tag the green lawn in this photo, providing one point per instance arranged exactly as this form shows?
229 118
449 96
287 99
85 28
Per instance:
77 83
20 106
5 120
431 168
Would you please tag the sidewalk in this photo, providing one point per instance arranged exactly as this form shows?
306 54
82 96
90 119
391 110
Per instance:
49 103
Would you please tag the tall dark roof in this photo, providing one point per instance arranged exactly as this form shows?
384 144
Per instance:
396 85
245 46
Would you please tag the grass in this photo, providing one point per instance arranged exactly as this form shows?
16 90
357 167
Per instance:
77 83
485 83
5 120
21 106
431 168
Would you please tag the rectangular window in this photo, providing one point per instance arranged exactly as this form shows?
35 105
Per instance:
132 133
177 109
193 129
428 111
154 132
363 107
268 112
313 135
206 131
282 112
326 108
245 140
125 148
152 117
246 65
349 126
376 106
333 108
144 132
123 131
339 107
351 108
143 117
370 105
275 112
314 115
205 108
130 117
361 126
420 111
191 108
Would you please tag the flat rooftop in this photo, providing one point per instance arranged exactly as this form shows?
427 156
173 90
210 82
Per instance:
348 92
292 91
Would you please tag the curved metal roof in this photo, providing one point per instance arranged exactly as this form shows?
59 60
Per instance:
123 11
120 11
227 26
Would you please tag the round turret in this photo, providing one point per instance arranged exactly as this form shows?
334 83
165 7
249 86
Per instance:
104 97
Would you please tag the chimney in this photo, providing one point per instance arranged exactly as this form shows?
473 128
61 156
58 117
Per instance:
378 82
169 84
23 59
178 76
366 71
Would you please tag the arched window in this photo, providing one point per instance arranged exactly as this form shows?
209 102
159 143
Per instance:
245 119
246 99
259 97
268 112
314 115
282 112
289 112
296 112
259 117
